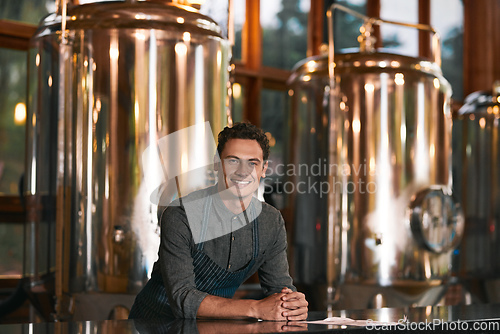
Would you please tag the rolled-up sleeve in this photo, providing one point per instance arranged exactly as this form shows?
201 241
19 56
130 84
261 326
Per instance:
274 272
176 263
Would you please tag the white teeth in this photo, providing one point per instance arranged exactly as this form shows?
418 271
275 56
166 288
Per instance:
242 182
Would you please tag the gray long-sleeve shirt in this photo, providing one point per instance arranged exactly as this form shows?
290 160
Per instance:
228 243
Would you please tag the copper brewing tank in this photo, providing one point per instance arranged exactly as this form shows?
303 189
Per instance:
374 128
110 85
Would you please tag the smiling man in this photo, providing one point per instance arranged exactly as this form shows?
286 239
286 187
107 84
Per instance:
214 239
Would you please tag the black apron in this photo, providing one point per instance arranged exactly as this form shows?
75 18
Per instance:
152 302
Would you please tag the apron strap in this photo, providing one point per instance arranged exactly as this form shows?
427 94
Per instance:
204 226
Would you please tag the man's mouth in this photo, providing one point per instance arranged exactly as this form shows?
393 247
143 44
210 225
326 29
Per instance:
241 183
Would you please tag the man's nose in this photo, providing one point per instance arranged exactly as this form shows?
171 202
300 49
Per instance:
244 169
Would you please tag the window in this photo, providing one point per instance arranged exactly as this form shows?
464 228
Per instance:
451 29
13 74
395 38
284 26
408 41
14 38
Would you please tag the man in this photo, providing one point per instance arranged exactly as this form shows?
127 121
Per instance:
214 239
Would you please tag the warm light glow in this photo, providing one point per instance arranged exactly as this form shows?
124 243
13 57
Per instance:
95 116
186 36
395 63
306 77
140 16
372 165
436 83
272 140
236 90
342 105
37 59
196 2
310 65
114 53
136 110
356 126
369 88
85 63
403 133
49 81
180 49
346 124
399 79
382 64
482 122
290 92
140 36
180 20
20 114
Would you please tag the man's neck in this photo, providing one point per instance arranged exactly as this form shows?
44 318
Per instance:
234 204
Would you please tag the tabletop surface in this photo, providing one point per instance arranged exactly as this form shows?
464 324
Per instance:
478 317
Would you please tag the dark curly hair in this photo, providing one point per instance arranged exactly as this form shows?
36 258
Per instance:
244 130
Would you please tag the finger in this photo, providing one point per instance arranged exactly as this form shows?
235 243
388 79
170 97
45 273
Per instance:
297 315
295 312
294 303
294 295
296 327
291 306
286 290
296 324
300 317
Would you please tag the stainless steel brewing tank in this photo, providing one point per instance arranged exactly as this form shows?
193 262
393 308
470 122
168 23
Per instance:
386 166
307 197
137 92
476 172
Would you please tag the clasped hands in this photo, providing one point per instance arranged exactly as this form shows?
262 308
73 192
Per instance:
286 305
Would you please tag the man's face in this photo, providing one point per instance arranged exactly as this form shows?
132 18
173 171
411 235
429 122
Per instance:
242 167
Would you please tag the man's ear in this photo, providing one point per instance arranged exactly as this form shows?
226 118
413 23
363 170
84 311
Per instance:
264 169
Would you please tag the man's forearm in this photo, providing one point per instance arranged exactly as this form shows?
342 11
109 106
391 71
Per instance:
269 308
219 307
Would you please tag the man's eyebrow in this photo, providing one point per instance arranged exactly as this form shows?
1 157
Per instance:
236 157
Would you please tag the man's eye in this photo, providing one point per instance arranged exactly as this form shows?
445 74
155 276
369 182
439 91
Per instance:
252 164
232 161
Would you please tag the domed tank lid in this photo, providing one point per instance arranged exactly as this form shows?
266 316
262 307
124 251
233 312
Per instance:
362 61
141 15
487 102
